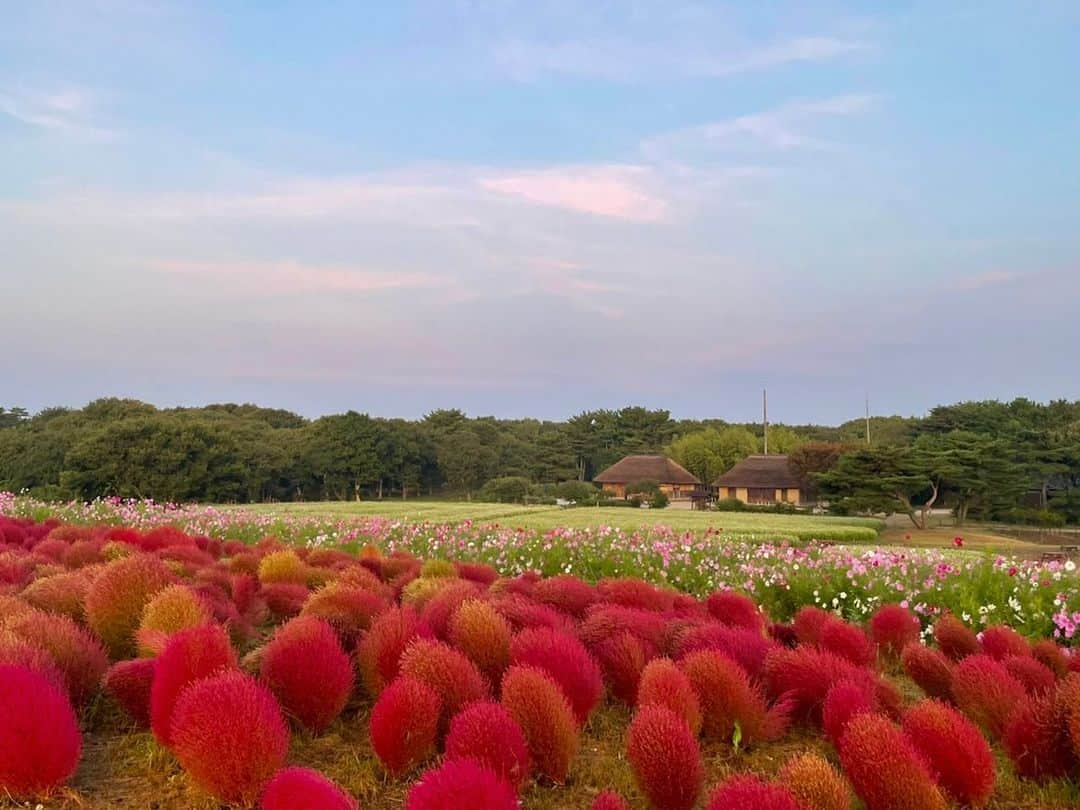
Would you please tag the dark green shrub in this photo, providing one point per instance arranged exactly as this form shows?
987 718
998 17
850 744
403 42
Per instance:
731 505
658 501
508 489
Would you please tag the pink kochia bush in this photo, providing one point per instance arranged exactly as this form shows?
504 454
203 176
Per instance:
486 733
885 767
458 784
230 736
847 641
954 749
304 789
750 793
191 654
665 758
39 736
954 638
1037 740
129 684
404 724
542 711
308 671
566 661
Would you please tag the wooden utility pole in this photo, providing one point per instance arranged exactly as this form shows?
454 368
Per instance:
868 420
765 417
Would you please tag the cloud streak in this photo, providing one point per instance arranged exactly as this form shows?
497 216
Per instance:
64 112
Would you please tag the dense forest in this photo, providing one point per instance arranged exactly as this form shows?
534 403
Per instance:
1017 460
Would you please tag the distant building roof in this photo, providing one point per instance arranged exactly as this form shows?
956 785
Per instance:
760 472
660 469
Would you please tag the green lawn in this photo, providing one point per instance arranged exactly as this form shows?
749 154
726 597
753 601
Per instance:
549 517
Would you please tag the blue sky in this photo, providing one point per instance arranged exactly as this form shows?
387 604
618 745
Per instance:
535 208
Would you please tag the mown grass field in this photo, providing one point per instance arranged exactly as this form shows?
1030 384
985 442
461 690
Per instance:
798 527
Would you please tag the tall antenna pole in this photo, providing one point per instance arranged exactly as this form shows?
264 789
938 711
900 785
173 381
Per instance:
765 417
868 419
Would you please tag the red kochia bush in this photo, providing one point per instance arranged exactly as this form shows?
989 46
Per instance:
477 630
735 610
634 593
845 701
1037 678
486 733
439 608
523 612
623 657
665 758
885 768
304 789
77 653
664 684
453 676
117 596
603 622
728 697
458 784
349 609
39 735
892 628
566 660
566 593
815 783
954 749
929 668
809 622
745 647
540 708
191 654
404 724
379 652
229 735
1037 740
847 641
609 800
750 793
285 599
308 671
986 692
1051 655
999 641
954 638
805 675
129 684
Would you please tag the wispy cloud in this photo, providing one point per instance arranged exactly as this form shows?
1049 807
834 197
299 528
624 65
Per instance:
292 277
623 59
68 112
618 192
785 127
992 278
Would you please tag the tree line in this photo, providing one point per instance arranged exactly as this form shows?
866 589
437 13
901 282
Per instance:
1017 460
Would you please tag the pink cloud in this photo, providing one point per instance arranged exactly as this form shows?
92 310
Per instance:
283 277
608 191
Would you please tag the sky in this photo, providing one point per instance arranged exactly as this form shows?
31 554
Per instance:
539 207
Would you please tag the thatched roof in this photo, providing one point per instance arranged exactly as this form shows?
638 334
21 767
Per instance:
632 469
760 472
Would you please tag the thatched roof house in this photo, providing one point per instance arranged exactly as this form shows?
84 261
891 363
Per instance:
761 480
674 479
